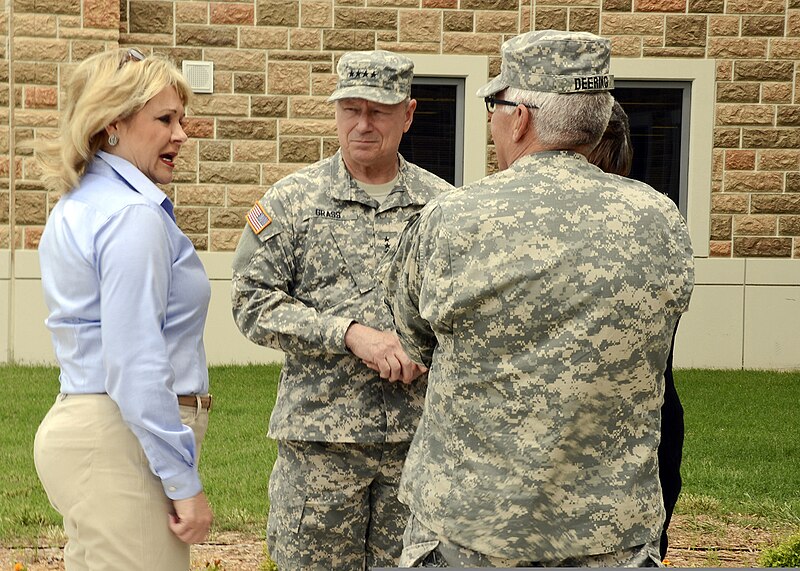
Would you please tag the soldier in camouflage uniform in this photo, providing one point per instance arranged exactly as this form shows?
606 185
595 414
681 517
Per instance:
305 282
543 299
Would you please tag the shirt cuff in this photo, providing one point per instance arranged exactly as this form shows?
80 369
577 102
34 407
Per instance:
182 486
333 335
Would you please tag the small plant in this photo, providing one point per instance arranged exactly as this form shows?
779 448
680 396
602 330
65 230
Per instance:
268 564
215 565
785 554
18 566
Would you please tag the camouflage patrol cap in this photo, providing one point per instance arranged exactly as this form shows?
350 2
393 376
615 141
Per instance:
553 61
380 76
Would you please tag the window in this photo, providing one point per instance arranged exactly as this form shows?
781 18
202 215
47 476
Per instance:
435 140
659 117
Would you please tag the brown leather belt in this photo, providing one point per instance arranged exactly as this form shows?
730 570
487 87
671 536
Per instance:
192 400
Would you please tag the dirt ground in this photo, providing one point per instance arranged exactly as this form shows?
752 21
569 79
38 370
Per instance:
694 542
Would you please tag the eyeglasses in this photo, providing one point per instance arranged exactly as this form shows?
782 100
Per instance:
493 102
131 55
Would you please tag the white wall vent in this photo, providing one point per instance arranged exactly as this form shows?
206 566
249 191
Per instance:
200 75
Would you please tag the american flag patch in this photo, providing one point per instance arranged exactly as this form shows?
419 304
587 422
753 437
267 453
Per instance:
258 219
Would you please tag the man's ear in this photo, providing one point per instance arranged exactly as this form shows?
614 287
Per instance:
412 105
522 123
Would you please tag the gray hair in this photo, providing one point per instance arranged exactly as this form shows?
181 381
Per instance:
566 121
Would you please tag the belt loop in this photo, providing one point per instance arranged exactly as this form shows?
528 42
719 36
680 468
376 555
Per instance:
197 408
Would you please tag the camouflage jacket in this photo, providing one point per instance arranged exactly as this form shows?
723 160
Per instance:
544 298
305 277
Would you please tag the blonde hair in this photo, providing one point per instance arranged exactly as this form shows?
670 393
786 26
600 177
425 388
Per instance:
103 88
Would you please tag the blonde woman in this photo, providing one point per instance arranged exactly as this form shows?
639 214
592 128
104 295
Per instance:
127 298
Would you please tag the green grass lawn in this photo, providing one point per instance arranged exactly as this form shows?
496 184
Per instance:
741 456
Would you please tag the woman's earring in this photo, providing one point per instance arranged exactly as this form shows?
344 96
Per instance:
113 139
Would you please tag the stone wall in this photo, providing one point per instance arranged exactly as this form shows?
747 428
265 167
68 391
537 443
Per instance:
274 63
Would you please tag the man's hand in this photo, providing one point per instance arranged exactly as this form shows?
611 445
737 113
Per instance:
381 351
192 519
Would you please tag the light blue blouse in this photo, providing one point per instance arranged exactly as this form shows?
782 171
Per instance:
128 298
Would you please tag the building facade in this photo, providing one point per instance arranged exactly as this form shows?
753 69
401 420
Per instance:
273 68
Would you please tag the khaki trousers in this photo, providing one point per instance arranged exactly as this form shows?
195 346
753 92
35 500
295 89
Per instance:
97 477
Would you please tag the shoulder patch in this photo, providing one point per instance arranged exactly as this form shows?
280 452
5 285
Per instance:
258 219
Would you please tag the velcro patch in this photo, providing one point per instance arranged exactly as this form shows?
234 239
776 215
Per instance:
258 219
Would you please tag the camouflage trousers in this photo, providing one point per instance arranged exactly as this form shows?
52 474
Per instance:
334 507
423 548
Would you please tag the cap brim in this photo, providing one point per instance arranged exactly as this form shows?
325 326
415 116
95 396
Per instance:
375 94
495 86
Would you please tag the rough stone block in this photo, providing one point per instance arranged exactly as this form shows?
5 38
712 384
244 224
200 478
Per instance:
489 5
216 105
312 108
284 13
505 22
759 225
771 138
244 195
34 25
723 26
442 4
789 115
724 70
748 181
460 21
775 203
764 70
365 18
745 114
793 182
191 12
289 78
200 195
789 226
228 217
323 84
626 46
420 25
737 48
225 173
265 39
785 48
205 36
41 97
316 13
458 43
29 207
738 92
720 227
308 127
299 150
660 5
302 39
707 6
584 20
762 247
617 5
719 249
723 203
755 6
256 129
230 13
762 25
687 31
40 50
151 17
740 160
192 220
776 92
216 151
249 82
255 151
269 106
781 160
632 24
